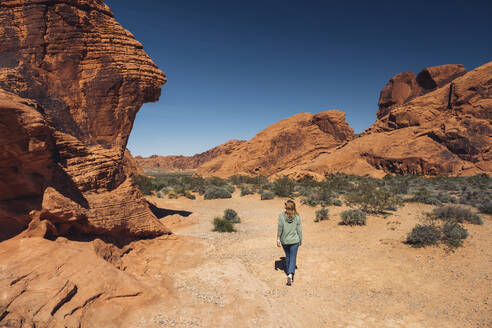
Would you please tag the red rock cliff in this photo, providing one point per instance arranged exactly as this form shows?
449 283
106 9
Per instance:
79 79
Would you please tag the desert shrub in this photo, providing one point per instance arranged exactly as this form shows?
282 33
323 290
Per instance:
424 235
266 195
256 181
231 215
453 234
229 188
223 225
144 184
397 184
336 202
353 217
423 195
283 187
245 190
456 213
214 192
341 182
309 201
321 214
189 195
319 196
370 197
485 206
172 195
445 197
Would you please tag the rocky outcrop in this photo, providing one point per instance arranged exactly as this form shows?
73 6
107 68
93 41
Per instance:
185 163
436 123
73 80
283 145
405 86
64 283
447 130
131 166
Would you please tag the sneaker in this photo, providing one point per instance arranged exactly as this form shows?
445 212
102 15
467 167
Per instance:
289 280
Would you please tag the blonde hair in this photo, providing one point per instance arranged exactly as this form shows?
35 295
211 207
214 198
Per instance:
290 208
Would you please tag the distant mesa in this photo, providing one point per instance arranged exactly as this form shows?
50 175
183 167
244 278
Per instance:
71 82
186 163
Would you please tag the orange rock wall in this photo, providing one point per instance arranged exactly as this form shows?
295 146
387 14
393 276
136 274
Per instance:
87 77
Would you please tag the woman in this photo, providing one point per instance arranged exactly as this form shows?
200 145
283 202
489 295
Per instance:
289 236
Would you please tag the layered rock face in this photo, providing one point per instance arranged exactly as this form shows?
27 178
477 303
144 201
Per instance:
283 145
447 130
405 86
184 163
79 80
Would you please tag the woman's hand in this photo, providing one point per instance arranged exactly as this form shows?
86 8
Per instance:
278 243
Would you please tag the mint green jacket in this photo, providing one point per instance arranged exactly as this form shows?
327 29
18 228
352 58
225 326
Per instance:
289 231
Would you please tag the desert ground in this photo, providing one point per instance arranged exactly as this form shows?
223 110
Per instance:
347 276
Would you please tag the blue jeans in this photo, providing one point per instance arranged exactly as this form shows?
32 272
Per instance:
290 257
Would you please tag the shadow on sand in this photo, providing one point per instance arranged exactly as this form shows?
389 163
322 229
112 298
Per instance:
163 212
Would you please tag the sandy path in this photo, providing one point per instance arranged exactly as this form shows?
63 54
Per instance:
346 277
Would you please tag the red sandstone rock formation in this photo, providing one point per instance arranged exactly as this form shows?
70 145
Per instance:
80 79
405 86
436 123
445 131
131 166
283 145
183 163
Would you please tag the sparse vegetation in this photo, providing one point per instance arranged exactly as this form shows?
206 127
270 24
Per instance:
353 217
361 192
223 225
245 190
144 184
266 195
453 234
424 235
283 187
456 213
485 207
231 215
424 195
214 192
321 214
368 196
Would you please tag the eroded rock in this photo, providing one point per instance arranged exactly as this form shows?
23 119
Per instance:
73 80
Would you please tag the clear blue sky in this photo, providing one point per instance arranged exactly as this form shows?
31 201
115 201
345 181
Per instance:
234 67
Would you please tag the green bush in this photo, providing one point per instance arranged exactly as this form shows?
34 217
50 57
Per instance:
337 202
214 192
266 195
223 225
453 234
172 195
369 197
423 195
353 217
321 214
189 195
144 184
231 215
485 207
445 197
246 191
424 235
456 213
320 196
283 187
